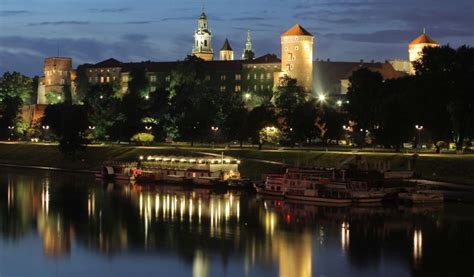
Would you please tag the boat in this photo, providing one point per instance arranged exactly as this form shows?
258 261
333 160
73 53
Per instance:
420 197
274 185
319 194
119 171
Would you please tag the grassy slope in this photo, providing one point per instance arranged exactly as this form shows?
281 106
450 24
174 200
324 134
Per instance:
451 168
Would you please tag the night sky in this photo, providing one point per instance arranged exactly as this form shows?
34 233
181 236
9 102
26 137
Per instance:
162 30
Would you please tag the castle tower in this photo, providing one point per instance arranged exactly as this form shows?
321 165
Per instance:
203 40
226 54
57 79
297 56
248 53
415 48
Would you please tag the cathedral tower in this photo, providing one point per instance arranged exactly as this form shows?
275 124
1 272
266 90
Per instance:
226 54
297 56
248 53
203 40
415 48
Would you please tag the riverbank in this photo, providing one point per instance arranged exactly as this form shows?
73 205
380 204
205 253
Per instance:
438 167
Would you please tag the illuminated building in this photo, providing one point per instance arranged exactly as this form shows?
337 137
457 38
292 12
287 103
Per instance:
203 40
226 53
415 48
297 56
58 78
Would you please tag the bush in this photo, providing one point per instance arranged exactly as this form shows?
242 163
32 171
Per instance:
143 138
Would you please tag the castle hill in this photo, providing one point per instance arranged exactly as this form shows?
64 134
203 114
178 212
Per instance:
250 138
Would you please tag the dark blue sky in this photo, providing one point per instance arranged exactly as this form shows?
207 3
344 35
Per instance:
162 30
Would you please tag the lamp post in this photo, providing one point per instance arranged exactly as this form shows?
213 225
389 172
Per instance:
148 128
419 128
214 131
11 128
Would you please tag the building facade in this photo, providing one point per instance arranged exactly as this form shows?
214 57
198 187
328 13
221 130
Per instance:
415 48
58 78
226 53
203 40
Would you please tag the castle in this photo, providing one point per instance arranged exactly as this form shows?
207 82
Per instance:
247 75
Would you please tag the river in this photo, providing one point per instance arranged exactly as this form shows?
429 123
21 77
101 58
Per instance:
61 224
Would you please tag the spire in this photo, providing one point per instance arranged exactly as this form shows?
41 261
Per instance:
424 31
226 46
248 53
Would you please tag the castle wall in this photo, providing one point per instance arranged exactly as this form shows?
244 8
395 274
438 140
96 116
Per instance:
297 59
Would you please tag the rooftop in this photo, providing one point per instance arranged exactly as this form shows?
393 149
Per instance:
226 46
423 38
297 30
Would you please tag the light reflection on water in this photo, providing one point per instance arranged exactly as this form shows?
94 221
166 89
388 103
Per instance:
209 233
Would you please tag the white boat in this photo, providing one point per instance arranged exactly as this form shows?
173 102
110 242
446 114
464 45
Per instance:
316 193
367 196
419 197
274 185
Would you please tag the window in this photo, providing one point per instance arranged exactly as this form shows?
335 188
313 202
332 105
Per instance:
269 76
237 77
255 76
254 87
248 76
269 87
262 76
168 78
101 79
262 87
153 78
223 77
125 78
237 88
152 89
62 82
108 79
222 88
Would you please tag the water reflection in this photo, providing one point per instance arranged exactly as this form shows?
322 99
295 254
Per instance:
225 233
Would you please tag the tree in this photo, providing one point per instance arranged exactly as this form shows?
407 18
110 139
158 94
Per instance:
236 125
68 123
249 55
10 106
15 84
446 75
259 118
365 98
102 108
82 83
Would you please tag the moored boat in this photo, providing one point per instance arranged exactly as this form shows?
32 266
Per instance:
420 197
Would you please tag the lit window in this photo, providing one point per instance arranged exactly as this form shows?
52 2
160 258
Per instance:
153 78
101 79
152 89
237 77
108 79
222 88
248 76
255 76
268 87
255 87
125 78
237 88
168 78
222 77
262 76
269 76
261 87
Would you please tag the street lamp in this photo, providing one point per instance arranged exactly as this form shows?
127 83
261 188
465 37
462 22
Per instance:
322 98
247 96
214 130
92 127
45 127
148 128
419 128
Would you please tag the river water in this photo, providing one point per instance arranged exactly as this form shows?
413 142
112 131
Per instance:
58 224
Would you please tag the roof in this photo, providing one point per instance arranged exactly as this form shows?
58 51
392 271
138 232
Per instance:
297 30
107 63
203 16
226 46
327 75
267 58
423 38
